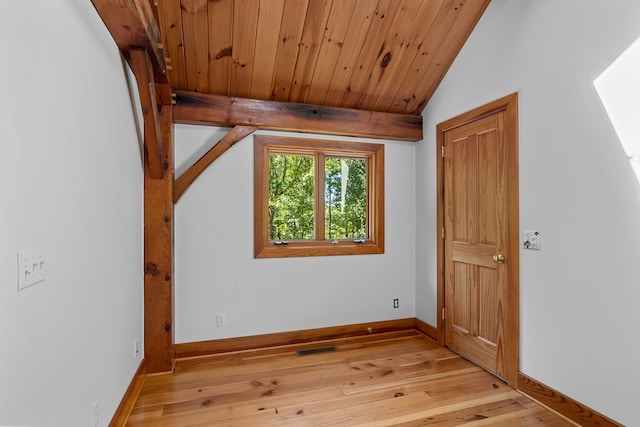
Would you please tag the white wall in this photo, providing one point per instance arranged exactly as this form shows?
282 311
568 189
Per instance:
216 271
71 181
580 323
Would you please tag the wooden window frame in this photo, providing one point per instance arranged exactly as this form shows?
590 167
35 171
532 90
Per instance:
373 153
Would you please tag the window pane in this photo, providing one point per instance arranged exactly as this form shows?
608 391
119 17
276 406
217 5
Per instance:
291 197
311 192
345 198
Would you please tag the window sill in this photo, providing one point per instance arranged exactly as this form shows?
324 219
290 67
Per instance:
317 248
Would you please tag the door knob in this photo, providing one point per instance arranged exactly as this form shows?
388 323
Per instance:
498 259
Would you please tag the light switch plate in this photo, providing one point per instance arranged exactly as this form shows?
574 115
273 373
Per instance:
531 239
31 267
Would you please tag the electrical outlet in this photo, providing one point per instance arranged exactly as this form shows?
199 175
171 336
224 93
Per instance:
221 320
31 269
96 413
396 303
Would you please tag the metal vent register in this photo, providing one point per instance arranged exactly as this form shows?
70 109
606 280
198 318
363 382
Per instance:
318 350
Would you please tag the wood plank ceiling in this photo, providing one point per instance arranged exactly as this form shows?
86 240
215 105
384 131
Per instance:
376 55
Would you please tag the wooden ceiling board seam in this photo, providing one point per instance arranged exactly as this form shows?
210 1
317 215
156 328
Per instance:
267 35
220 46
420 65
356 34
461 29
388 87
288 47
245 24
370 51
195 34
315 25
391 51
332 42
171 23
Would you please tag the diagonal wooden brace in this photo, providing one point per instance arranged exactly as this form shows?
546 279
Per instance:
143 70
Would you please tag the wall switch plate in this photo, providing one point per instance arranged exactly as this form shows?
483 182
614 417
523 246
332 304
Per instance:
221 320
531 239
31 267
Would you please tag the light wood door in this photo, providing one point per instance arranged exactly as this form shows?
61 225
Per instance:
475 206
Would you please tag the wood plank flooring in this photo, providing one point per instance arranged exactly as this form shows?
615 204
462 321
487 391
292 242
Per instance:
398 378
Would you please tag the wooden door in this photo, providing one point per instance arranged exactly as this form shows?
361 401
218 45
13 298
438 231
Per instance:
479 244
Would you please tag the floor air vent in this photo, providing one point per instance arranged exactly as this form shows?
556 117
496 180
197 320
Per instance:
316 351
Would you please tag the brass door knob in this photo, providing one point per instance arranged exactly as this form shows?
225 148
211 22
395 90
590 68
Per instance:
498 259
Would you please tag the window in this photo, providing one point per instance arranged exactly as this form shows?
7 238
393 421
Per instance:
317 197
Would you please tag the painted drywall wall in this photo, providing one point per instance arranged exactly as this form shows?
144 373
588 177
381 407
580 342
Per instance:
71 182
580 323
216 273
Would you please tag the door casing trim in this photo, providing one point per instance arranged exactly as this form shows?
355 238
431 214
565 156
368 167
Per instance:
508 104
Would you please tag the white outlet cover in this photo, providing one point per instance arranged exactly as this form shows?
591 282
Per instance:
221 320
96 413
136 349
31 267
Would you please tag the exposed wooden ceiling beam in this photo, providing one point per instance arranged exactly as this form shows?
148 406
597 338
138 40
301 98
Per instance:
186 179
134 28
198 108
141 66
132 24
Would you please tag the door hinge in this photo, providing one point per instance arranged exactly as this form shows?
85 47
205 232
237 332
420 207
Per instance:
442 151
442 232
444 313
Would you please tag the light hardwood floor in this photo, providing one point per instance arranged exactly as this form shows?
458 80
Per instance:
399 378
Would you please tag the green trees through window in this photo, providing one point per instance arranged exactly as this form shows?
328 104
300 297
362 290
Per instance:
316 197
345 198
291 197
